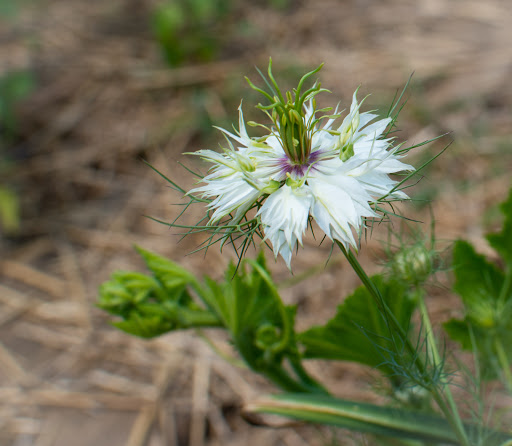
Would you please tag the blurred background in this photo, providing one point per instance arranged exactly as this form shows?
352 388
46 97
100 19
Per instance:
90 89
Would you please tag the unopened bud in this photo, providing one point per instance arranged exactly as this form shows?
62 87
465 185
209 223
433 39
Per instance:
413 264
271 187
245 163
346 152
355 123
295 116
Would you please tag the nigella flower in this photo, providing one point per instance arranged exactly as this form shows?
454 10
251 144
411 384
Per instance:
304 167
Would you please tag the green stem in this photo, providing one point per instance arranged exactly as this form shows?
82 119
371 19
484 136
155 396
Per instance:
381 304
504 363
506 288
450 409
198 318
226 357
283 380
306 378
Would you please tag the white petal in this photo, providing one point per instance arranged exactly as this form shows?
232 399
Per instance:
373 131
285 218
232 193
340 203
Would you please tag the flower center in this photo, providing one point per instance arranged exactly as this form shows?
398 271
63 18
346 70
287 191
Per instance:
297 170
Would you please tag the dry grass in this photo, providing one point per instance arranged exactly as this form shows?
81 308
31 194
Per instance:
105 100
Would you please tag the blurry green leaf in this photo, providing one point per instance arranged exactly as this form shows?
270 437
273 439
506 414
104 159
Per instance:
279 4
167 23
190 30
9 8
364 417
477 281
502 241
9 210
359 332
486 292
203 10
171 275
144 327
472 337
14 87
479 284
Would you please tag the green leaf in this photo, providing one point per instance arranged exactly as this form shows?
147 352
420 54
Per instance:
502 241
249 306
485 292
14 87
472 337
171 275
359 332
364 417
477 281
144 327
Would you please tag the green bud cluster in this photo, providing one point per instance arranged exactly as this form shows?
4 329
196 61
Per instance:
287 113
150 305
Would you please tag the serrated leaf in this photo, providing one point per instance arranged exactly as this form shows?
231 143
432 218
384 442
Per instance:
502 241
247 301
358 332
144 327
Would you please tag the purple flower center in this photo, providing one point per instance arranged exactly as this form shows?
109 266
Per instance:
297 170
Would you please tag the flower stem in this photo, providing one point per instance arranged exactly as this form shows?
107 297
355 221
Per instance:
448 408
504 363
451 412
381 304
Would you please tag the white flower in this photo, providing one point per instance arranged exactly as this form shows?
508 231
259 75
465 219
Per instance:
301 170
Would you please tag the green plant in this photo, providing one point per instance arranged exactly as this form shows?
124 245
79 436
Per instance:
190 30
306 168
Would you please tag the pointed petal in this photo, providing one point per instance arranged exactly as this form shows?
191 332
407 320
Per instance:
340 203
285 217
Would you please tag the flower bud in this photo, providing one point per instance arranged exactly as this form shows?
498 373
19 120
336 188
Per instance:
347 152
245 163
271 187
413 264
